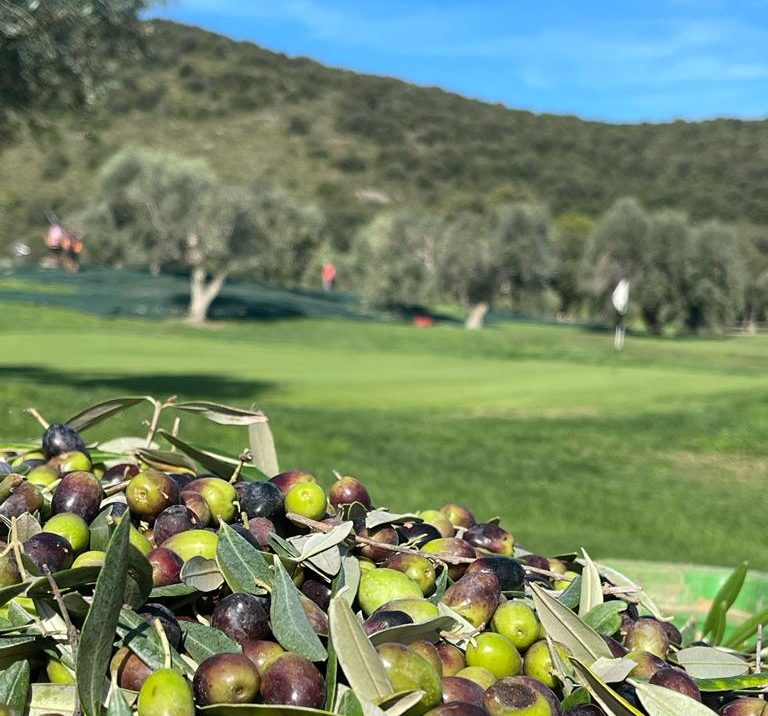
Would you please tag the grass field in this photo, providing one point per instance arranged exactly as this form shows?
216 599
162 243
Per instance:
660 452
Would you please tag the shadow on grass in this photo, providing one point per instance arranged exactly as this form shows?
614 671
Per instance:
158 385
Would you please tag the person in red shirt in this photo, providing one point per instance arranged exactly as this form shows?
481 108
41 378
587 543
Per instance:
329 276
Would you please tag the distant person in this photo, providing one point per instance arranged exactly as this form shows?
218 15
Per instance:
54 240
73 250
329 276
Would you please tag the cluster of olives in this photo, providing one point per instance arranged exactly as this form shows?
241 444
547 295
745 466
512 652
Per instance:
409 566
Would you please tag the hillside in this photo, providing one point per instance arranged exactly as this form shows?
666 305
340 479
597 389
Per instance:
353 143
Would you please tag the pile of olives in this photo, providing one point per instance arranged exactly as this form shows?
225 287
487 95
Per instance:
444 599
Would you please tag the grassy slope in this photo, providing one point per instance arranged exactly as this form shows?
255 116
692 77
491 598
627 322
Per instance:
325 133
659 452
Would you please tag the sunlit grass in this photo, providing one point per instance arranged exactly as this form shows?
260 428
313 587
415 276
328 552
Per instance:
659 452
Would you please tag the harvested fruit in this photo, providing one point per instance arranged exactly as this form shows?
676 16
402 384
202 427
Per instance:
228 589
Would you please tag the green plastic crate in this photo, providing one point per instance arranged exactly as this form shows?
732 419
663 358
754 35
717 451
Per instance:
687 590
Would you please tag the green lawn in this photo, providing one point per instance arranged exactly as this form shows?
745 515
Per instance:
660 452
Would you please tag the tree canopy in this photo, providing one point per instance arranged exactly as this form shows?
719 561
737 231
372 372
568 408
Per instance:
161 211
60 54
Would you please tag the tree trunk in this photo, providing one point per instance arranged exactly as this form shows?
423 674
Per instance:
652 321
201 294
750 325
476 316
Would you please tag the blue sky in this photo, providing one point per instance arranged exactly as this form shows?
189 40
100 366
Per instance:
622 61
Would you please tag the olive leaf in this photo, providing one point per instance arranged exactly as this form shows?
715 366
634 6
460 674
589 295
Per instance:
124 445
378 517
397 704
319 542
66 579
734 683
357 656
349 704
201 641
441 584
604 618
164 459
14 686
101 411
143 641
215 462
8 593
612 670
747 630
243 566
428 630
571 595
565 627
117 705
714 623
290 625
704 662
27 526
202 574
52 698
262 445
100 529
139 583
609 700
99 627
221 414
659 701
591 594
331 676
172 590
577 697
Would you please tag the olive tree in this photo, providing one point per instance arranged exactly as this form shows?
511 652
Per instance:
716 278
522 240
156 210
484 258
649 250
468 266
570 240
754 250
616 249
657 289
395 256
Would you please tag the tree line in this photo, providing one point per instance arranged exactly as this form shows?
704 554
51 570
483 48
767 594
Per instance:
168 213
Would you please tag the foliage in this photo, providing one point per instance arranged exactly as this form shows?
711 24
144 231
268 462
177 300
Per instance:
521 234
62 53
161 211
234 104
145 208
716 278
570 238
396 258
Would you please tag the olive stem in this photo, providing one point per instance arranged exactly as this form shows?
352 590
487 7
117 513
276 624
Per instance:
175 430
159 406
119 487
8 485
16 545
164 641
245 456
322 527
51 487
40 419
71 631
